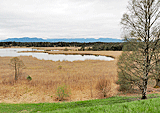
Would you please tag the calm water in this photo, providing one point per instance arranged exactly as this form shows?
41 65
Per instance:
13 52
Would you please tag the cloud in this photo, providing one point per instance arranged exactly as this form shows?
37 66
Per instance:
61 18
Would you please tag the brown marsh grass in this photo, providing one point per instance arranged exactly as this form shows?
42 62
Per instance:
81 77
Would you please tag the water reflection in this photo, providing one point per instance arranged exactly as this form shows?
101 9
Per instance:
13 52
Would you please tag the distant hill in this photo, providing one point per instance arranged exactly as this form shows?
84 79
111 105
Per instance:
24 39
27 39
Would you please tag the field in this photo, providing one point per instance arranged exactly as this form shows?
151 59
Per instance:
82 79
109 105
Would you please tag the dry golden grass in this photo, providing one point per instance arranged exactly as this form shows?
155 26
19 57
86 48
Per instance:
81 77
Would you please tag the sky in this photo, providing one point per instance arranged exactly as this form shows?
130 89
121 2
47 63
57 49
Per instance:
61 18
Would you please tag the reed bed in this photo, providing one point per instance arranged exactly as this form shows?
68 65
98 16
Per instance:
80 77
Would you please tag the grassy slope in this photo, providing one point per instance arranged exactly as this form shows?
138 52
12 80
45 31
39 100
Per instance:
113 104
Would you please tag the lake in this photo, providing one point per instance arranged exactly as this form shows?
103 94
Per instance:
14 52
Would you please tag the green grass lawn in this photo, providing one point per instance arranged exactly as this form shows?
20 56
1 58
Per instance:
109 105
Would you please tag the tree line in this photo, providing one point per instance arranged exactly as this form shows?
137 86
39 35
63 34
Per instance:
95 46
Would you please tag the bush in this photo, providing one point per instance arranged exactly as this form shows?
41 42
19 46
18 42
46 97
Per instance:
29 78
62 92
104 86
59 67
65 49
124 84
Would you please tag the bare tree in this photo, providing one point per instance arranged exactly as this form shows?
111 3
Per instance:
142 29
17 64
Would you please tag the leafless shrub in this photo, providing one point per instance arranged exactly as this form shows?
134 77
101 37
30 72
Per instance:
104 85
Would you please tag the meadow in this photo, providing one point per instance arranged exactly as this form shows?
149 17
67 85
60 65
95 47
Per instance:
80 77
110 105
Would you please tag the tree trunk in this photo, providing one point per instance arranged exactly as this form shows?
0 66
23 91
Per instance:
144 94
15 72
144 90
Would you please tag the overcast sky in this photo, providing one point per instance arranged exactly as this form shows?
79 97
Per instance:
61 18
